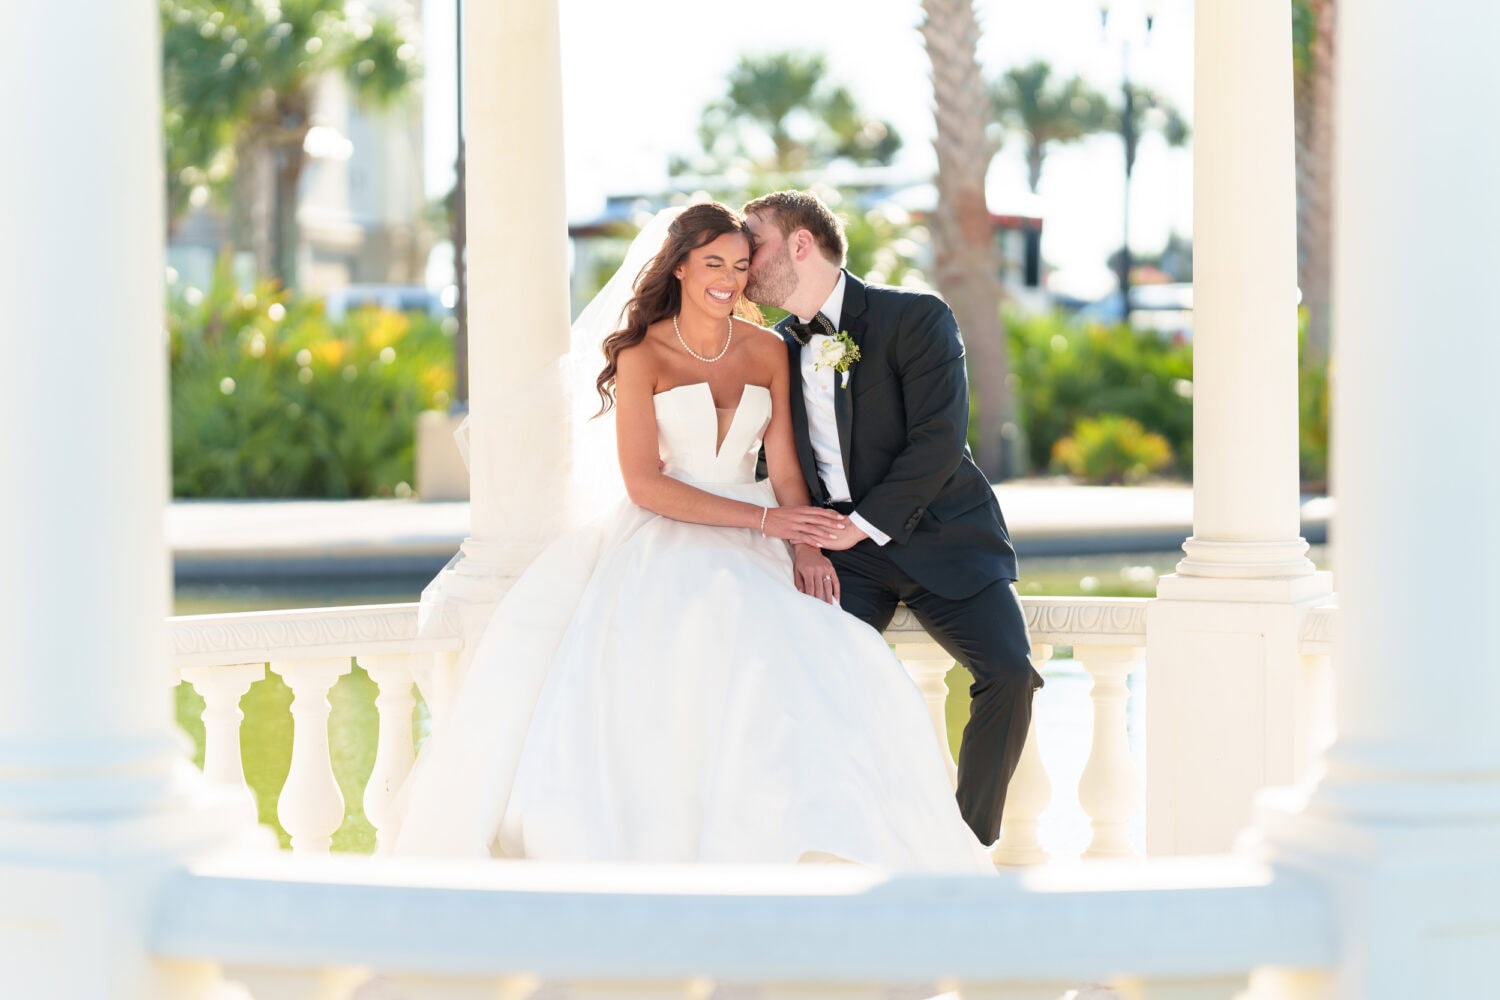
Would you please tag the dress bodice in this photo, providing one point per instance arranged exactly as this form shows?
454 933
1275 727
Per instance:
687 430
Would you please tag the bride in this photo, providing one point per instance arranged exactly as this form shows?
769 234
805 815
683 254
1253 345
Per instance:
676 682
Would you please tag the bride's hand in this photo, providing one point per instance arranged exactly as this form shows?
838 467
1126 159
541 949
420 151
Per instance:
802 525
814 574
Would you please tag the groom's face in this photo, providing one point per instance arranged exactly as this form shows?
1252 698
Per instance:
772 277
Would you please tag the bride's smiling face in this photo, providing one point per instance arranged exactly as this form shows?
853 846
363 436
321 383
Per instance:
713 276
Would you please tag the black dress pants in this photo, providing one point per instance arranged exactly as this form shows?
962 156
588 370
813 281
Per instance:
986 633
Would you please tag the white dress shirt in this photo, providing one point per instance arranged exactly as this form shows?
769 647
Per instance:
818 388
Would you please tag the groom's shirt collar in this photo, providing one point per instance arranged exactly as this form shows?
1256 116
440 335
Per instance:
834 307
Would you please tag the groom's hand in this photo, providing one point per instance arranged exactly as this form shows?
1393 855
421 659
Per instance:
846 537
814 574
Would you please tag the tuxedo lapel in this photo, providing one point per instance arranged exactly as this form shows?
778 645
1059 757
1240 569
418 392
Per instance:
852 322
799 416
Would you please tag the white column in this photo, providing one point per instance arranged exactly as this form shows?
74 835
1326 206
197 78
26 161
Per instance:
1404 825
518 276
1245 482
1415 463
85 723
1223 670
96 796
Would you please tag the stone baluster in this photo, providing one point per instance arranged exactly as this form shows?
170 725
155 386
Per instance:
664 989
272 983
221 689
822 991
1053 990
1290 984
311 806
393 753
414 986
1109 787
1230 987
1028 796
928 664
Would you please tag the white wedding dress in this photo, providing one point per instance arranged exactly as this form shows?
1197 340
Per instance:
654 690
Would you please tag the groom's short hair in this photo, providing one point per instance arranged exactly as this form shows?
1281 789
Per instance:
790 211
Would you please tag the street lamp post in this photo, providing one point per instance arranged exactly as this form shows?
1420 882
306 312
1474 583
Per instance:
1128 135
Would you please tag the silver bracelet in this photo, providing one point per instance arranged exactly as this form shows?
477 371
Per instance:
763 512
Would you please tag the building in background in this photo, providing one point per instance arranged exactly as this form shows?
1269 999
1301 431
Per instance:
361 200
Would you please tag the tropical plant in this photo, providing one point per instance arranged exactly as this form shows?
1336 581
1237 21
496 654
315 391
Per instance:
241 76
271 399
1111 449
1066 371
1045 112
781 115
963 239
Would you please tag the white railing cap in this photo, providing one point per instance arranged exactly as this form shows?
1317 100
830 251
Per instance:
304 634
829 924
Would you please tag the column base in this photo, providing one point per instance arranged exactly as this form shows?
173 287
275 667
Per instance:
1416 904
1232 703
62 779
81 891
1314 586
1382 785
1245 560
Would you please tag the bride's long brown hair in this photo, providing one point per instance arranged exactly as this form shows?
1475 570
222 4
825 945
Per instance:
658 293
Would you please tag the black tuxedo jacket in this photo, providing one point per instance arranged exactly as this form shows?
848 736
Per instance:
903 423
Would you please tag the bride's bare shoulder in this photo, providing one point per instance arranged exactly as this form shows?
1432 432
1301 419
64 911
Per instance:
762 338
642 360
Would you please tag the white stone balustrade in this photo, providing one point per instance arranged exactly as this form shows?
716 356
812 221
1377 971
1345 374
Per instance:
311 807
222 655
928 664
1109 788
222 688
394 750
1028 795
311 649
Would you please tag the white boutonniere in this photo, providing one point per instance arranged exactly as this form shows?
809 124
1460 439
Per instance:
838 353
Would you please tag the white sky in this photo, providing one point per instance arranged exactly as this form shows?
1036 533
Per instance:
636 74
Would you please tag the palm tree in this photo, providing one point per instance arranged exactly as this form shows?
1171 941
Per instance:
1140 110
1312 83
780 115
244 73
1027 100
967 261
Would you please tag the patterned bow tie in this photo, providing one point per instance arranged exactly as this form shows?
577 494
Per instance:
802 333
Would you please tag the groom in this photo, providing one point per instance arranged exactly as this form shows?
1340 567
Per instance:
885 443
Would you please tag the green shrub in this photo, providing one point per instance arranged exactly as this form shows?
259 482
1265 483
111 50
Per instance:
1111 449
1065 371
271 399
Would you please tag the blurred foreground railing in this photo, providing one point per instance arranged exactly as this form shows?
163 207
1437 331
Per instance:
334 928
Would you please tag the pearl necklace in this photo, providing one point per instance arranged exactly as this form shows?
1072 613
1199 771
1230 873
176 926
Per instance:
727 341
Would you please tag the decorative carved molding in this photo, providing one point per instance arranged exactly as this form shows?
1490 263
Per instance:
1317 631
1058 621
261 636
1077 621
